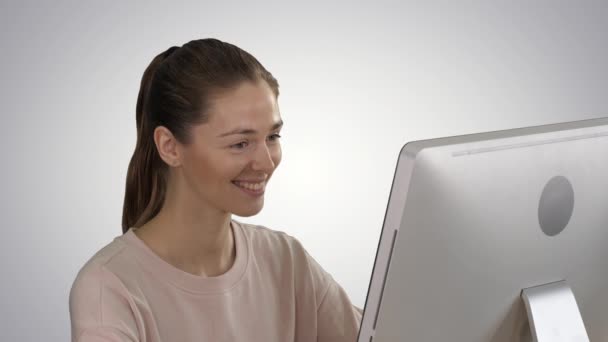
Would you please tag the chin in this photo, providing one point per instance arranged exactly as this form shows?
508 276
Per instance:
247 212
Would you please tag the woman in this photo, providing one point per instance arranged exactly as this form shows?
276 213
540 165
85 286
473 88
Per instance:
208 129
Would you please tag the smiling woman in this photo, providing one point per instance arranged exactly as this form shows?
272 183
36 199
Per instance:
208 142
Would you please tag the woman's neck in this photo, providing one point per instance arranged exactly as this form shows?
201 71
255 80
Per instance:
201 245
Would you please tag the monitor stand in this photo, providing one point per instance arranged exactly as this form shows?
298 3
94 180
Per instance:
553 314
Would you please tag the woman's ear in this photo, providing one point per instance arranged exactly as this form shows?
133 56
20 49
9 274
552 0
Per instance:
167 146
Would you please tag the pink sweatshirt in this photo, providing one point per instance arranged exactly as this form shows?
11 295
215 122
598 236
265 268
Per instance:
274 292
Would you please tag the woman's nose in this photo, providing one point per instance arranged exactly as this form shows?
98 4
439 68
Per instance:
263 159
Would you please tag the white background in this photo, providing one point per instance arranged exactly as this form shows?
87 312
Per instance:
358 80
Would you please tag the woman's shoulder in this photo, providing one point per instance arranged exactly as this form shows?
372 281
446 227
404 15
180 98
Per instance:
276 244
269 238
102 269
99 299
287 254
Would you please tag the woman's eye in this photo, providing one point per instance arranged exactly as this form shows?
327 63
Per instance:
240 145
244 144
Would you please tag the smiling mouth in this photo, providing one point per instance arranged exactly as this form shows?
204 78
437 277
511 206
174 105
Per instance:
255 187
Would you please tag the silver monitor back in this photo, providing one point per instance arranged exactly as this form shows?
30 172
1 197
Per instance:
474 220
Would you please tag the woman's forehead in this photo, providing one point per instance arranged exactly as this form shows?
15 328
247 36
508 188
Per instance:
248 104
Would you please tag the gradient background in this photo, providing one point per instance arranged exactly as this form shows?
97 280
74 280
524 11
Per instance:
357 82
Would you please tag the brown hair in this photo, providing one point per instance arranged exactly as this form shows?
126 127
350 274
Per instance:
175 92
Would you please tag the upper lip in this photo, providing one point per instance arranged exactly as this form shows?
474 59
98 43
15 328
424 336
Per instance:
250 180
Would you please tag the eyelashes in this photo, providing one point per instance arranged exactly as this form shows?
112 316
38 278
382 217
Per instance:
241 145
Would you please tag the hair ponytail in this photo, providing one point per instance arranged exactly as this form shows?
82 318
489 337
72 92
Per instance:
174 93
146 182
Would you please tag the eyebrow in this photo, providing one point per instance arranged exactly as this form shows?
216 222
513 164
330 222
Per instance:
249 130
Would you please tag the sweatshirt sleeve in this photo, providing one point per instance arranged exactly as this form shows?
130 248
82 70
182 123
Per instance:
100 308
338 320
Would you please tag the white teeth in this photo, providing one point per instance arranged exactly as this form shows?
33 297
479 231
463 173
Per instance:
250 186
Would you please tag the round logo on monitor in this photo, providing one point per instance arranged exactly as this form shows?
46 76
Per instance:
556 205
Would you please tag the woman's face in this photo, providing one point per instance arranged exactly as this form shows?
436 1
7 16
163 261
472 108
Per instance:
234 154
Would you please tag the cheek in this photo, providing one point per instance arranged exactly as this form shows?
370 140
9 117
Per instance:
202 170
208 168
231 167
277 156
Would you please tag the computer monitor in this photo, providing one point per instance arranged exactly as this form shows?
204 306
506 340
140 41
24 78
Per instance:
499 236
